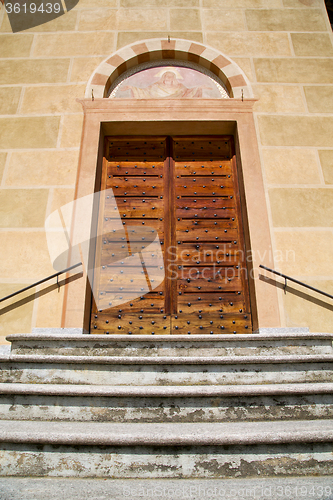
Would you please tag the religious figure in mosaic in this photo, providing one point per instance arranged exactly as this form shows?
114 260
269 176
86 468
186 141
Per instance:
168 86
168 83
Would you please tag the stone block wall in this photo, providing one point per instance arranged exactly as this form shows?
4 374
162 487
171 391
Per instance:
284 47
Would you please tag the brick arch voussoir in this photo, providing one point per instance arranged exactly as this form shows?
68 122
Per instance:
150 50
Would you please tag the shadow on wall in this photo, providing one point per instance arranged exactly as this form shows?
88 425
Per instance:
329 7
40 293
298 293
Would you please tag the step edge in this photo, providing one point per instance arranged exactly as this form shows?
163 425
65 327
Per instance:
152 434
167 360
164 391
167 338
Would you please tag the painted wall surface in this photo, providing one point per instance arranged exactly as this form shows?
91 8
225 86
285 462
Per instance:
169 83
285 49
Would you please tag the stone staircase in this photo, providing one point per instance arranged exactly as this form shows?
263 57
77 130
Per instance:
204 406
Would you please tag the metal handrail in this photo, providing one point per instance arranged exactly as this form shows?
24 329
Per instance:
41 281
295 281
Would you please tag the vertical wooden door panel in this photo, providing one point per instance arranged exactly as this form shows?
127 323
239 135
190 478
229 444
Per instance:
212 294
131 299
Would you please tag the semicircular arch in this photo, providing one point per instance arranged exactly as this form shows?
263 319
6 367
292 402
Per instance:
151 50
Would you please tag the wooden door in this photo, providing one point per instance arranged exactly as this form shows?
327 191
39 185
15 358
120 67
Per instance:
212 289
128 302
177 263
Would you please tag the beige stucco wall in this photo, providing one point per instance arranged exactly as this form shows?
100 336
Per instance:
285 49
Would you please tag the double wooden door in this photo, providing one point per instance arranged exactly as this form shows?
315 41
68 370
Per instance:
171 258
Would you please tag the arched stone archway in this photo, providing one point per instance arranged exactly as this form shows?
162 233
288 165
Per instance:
224 68
105 118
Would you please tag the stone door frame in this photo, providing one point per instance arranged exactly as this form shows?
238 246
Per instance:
107 117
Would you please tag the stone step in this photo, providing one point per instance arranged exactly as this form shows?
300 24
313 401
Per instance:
284 342
186 450
166 404
115 370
